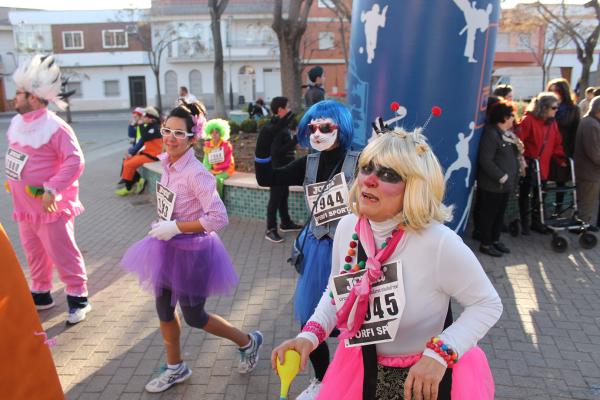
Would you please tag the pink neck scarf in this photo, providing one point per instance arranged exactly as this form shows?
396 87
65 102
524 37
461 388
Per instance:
352 314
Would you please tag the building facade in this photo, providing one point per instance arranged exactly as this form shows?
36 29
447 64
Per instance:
520 46
105 65
250 50
323 45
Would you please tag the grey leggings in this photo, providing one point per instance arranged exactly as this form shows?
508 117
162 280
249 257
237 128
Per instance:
194 316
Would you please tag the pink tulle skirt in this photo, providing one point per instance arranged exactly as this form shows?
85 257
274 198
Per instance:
471 376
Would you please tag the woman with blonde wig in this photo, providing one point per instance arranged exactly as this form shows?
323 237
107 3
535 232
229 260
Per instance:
395 267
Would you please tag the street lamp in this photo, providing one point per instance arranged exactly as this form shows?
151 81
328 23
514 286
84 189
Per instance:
229 33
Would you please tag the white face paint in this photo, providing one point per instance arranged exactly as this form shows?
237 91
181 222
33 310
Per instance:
323 141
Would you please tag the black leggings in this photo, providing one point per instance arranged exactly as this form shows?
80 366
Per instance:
319 359
194 316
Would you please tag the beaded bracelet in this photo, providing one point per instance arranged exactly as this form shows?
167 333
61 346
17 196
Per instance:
436 344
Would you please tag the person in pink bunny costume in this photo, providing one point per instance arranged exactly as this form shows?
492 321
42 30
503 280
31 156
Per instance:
43 164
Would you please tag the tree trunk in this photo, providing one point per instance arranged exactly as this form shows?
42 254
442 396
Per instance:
158 96
343 39
215 26
544 78
291 70
585 74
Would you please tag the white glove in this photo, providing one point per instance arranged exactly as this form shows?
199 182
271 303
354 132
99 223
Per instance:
164 230
503 179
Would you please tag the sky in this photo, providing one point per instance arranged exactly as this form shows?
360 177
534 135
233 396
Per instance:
118 4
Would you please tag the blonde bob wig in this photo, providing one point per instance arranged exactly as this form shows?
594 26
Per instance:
410 156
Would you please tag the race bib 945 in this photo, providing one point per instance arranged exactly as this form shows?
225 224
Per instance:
386 304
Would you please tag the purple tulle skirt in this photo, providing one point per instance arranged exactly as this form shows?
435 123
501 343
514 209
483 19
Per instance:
192 267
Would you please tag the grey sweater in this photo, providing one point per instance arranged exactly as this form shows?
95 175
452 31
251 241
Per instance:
587 150
496 158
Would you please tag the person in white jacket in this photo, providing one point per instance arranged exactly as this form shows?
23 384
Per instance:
395 267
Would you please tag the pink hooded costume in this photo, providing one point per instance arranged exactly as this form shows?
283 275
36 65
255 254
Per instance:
43 152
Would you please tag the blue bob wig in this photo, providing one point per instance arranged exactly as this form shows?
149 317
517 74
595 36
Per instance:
328 109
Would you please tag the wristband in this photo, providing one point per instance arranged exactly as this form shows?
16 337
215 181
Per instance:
316 329
262 160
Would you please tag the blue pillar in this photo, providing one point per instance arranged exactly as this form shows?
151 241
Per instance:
422 54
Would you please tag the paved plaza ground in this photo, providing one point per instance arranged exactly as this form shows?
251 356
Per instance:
545 346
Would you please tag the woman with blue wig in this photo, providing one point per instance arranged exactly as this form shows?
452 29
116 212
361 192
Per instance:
327 127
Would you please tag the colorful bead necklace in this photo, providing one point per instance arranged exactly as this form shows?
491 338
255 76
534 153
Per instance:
350 264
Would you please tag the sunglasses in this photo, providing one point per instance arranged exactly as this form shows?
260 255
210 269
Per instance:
554 108
177 133
383 173
326 127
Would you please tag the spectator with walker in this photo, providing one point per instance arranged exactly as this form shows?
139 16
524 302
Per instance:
539 133
282 153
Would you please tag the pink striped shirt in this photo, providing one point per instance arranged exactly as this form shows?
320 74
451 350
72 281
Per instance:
197 198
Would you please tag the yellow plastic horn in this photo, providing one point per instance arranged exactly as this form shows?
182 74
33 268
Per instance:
288 371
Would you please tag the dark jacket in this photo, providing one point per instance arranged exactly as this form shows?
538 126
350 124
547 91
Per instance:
567 118
148 132
497 157
587 150
314 94
283 145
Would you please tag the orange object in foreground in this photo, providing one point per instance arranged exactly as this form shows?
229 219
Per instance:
27 370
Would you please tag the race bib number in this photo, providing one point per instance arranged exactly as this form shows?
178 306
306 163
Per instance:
216 156
386 304
165 202
14 163
332 205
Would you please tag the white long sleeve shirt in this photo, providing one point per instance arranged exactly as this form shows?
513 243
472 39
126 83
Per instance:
436 266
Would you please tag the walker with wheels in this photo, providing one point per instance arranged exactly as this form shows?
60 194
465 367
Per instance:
565 216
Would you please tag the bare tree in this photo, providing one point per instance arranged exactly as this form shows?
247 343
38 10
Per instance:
523 21
584 37
289 32
343 12
216 8
154 42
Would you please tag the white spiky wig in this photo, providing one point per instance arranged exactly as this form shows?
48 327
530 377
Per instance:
40 77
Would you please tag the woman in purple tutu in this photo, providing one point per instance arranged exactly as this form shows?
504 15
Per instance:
182 260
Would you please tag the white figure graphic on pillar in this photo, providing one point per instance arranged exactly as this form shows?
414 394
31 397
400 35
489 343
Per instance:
373 20
463 160
476 19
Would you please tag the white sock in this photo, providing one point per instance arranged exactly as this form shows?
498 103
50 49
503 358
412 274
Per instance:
174 366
